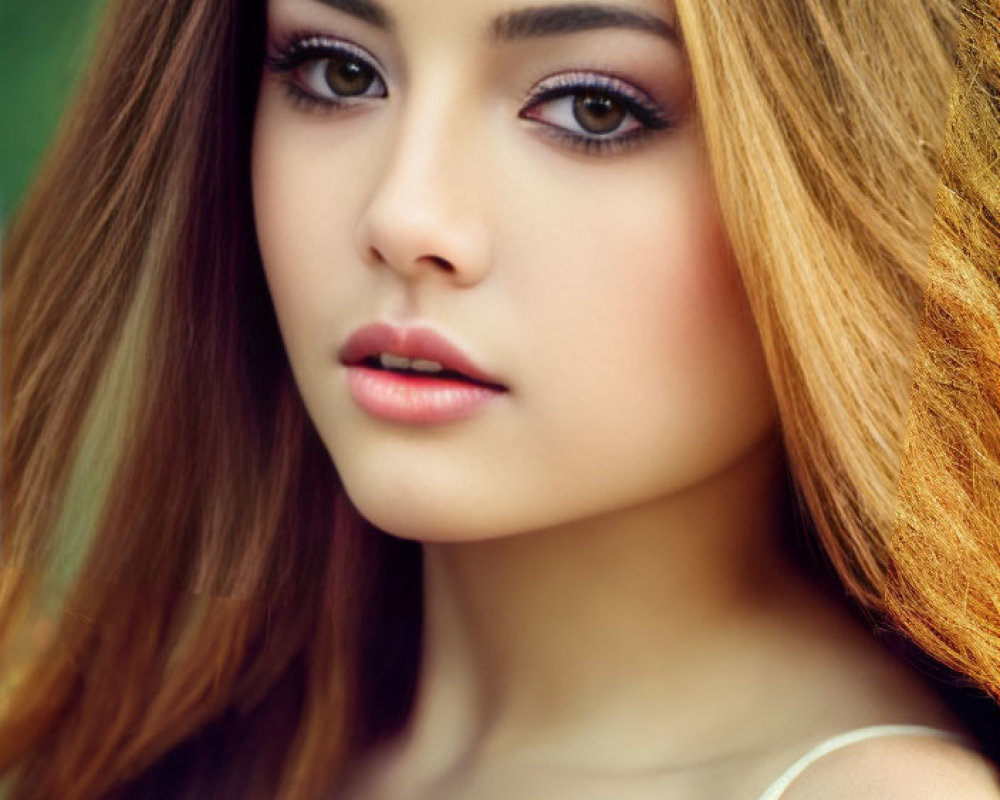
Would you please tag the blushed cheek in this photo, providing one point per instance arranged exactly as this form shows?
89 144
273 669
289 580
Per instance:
686 340
686 295
292 229
731 390
273 197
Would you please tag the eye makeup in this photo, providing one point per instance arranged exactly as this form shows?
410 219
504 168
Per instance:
297 62
609 92
592 112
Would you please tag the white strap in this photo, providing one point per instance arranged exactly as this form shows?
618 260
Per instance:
776 789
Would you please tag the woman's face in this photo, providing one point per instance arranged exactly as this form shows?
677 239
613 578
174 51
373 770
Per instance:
530 184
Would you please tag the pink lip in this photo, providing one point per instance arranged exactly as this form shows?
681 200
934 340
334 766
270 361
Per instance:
412 398
370 340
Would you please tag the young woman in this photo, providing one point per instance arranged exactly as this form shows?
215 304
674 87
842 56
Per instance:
443 399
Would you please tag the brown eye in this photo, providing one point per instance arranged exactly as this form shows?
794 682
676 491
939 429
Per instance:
348 77
338 77
598 113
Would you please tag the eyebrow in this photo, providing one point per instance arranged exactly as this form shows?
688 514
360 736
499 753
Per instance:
368 11
534 22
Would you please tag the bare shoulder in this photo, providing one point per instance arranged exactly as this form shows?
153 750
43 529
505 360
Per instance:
899 768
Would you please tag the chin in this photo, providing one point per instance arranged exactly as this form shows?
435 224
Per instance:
401 515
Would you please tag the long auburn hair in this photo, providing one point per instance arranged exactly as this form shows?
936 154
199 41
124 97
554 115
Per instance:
225 622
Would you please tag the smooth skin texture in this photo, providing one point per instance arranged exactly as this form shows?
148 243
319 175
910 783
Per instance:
607 606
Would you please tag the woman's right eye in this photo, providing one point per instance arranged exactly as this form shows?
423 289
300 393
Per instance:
327 73
341 76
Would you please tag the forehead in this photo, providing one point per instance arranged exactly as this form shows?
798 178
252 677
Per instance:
500 21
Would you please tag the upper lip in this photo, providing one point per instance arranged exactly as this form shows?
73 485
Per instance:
417 342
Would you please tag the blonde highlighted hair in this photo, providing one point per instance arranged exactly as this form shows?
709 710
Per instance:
944 578
234 629
825 123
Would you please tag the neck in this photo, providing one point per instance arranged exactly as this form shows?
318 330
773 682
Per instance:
616 622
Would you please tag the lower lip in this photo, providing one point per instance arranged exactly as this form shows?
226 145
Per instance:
415 399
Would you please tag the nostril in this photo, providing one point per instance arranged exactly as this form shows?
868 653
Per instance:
441 262
376 256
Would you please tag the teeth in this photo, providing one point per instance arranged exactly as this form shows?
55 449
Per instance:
393 362
390 361
423 365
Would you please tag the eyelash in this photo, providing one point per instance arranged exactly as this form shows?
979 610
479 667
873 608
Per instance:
304 48
301 49
636 104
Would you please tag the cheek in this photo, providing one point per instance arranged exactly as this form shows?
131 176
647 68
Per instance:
665 362
281 192
302 232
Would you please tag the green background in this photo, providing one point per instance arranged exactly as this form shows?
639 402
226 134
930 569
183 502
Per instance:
44 47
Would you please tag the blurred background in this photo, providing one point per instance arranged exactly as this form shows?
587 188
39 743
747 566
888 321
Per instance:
44 47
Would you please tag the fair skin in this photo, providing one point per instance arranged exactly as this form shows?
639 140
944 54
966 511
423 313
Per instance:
607 604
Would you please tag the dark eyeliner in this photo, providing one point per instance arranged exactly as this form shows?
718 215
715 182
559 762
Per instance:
599 146
643 110
636 103
289 54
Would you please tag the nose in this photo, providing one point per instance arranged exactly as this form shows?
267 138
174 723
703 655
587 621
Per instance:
423 218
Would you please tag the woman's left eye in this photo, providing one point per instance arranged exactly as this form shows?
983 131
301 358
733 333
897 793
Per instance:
596 114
